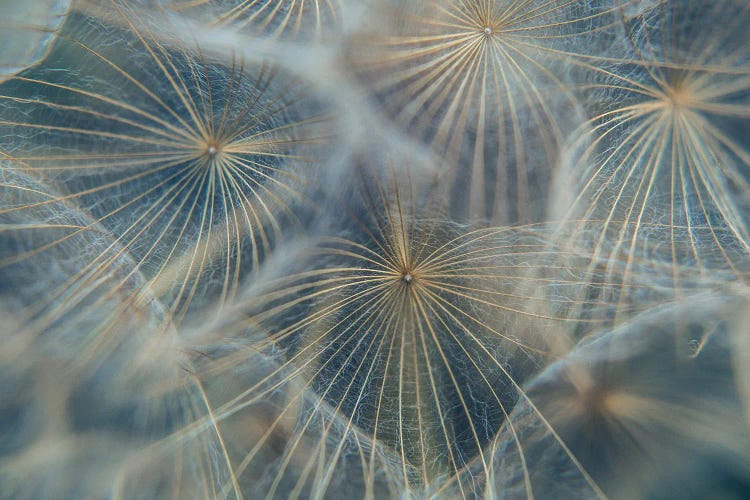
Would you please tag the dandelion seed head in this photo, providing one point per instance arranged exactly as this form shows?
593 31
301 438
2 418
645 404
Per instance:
203 171
440 75
623 402
667 161
377 322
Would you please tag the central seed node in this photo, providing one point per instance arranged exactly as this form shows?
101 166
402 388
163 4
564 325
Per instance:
211 151
408 278
487 31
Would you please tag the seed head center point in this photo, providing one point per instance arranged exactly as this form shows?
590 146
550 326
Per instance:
680 99
408 278
487 30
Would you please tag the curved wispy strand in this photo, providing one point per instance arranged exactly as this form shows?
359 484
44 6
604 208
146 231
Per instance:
293 20
27 32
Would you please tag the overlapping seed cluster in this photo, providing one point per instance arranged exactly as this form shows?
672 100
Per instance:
399 248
